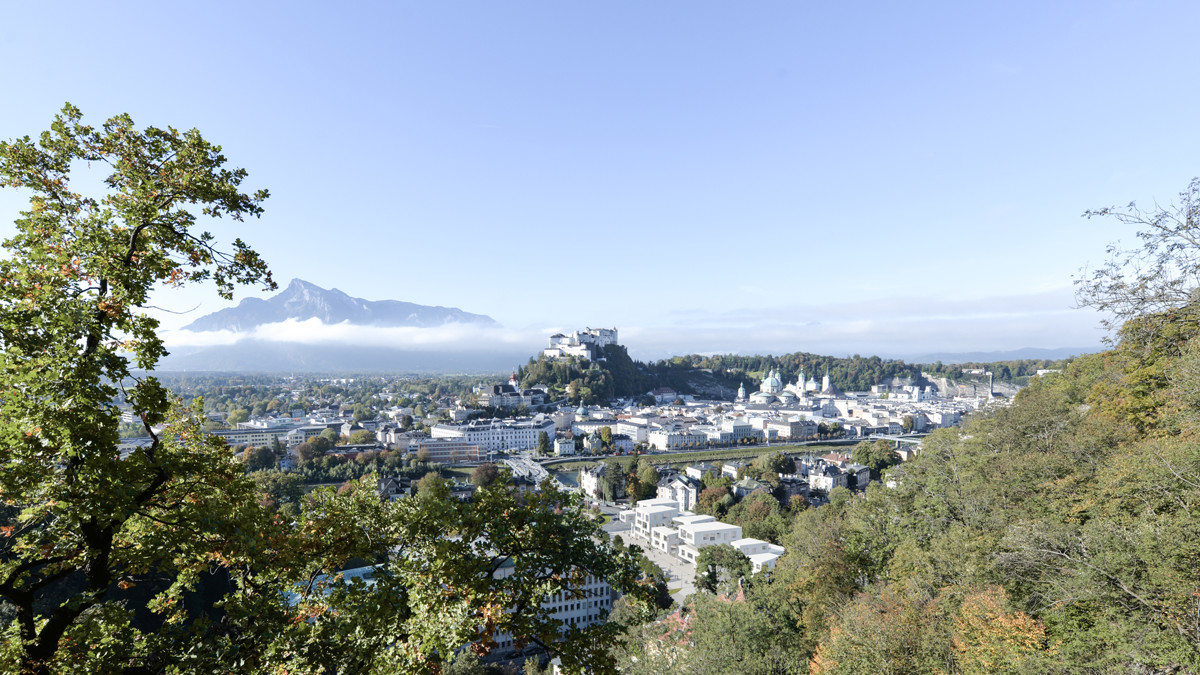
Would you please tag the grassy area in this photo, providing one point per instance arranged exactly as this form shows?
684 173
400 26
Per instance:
461 473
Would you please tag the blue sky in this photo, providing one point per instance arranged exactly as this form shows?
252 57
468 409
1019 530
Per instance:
892 178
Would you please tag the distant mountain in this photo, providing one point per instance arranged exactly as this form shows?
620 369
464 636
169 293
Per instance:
302 300
1011 355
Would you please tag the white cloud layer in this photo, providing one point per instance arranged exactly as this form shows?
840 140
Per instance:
449 337
895 327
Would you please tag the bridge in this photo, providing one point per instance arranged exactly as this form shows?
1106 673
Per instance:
908 440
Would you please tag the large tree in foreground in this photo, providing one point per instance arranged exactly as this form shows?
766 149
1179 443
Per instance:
82 519
168 558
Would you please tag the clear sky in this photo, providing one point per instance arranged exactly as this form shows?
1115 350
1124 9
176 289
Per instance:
892 178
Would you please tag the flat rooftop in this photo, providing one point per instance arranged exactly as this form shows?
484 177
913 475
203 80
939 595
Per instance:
690 519
711 527
657 502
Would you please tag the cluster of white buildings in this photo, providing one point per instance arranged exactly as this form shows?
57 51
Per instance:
447 443
793 412
679 533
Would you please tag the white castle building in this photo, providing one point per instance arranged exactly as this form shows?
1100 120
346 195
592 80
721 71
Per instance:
585 344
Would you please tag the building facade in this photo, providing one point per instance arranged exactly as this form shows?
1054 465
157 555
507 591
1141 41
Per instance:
497 435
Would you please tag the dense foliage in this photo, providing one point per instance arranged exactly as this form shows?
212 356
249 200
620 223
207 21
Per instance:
171 557
1055 535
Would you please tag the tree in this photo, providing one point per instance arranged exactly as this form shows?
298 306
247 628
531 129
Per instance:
606 437
1157 279
238 416
775 463
647 481
543 444
362 412
167 559
331 436
259 458
306 452
710 499
721 569
432 487
907 424
485 474
279 487
320 444
612 483
362 437
875 456
76 279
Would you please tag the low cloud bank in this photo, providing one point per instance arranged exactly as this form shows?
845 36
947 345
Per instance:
896 328
448 337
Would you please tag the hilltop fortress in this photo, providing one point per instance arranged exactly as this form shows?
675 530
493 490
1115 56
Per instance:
585 344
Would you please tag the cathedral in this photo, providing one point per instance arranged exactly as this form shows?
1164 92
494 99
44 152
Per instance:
772 391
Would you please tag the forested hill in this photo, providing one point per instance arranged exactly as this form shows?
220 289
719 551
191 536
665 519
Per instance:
1056 535
618 375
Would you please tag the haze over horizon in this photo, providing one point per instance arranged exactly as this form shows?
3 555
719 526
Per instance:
833 339
873 179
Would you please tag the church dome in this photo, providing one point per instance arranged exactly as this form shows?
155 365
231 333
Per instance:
581 411
771 383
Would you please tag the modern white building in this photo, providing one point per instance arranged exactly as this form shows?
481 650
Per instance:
651 513
762 554
696 535
683 534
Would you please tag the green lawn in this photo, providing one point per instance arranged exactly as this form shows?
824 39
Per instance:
461 473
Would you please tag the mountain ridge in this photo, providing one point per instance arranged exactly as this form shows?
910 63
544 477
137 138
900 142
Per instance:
303 300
